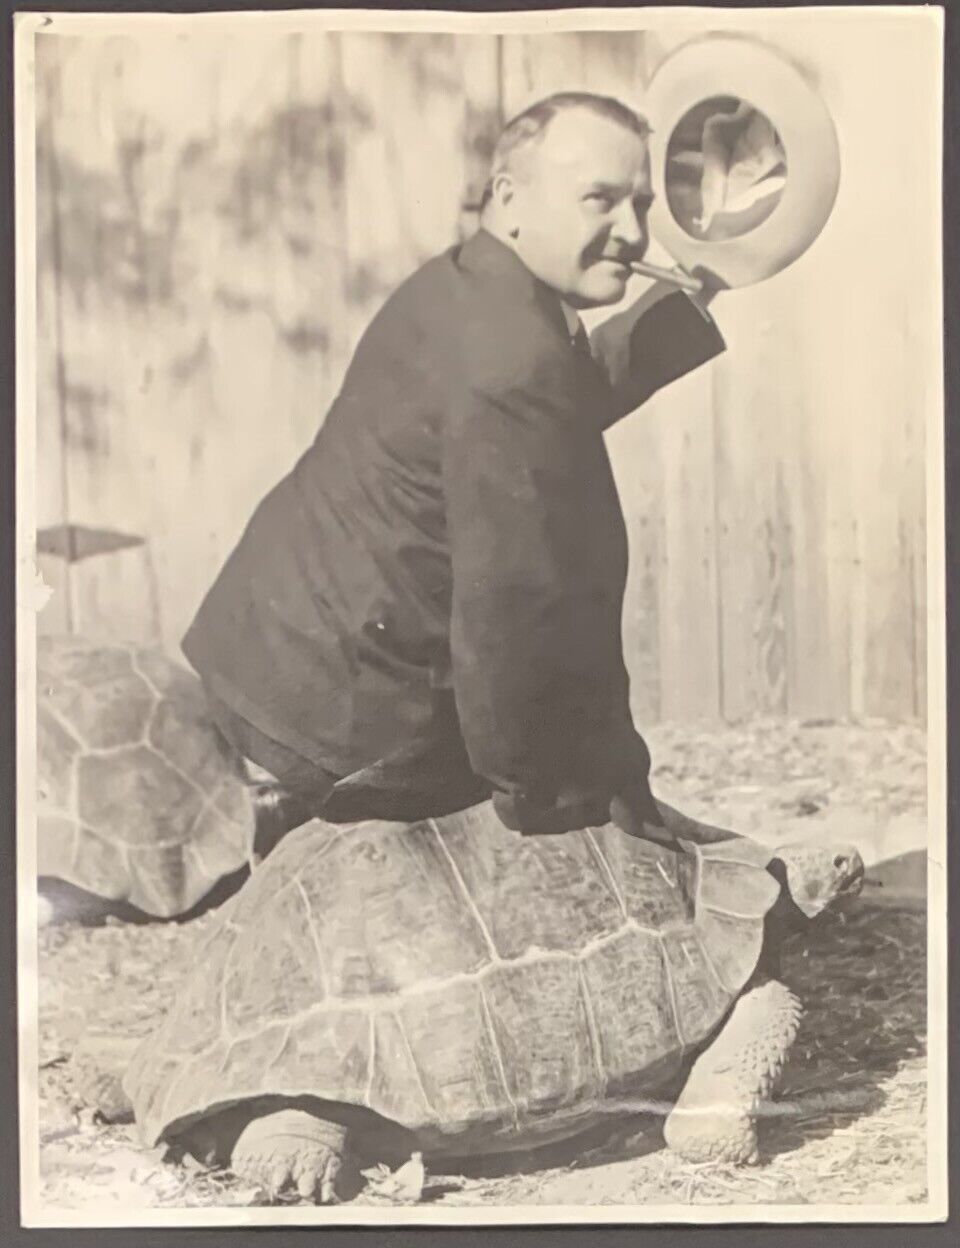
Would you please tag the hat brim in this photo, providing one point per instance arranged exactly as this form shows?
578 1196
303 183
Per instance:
734 66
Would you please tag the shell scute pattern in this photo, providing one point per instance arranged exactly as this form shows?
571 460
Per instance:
211 849
72 659
160 873
166 678
105 716
657 888
56 842
547 1052
57 753
732 947
450 1064
291 976
406 923
136 781
201 1028
127 754
532 895
738 884
181 733
328 1053
627 984
94 692
698 996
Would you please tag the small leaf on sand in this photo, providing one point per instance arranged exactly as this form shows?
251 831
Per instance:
404 1186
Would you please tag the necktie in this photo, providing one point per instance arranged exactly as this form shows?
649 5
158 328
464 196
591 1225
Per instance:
581 341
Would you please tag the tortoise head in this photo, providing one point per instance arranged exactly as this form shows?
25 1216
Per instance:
819 876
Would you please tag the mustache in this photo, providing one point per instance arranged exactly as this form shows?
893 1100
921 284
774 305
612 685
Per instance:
622 255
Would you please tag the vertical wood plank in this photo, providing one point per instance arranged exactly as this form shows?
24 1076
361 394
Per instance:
480 60
271 332
688 605
406 109
117 596
839 401
815 686
608 63
534 66
753 540
867 351
634 453
50 501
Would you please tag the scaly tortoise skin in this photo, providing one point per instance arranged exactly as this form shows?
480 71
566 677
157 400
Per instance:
140 801
480 989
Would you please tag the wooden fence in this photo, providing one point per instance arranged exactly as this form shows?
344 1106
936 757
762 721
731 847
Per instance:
218 218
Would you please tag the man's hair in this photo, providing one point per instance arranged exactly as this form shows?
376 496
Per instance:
530 126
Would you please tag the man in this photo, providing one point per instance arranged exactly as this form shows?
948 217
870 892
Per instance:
427 610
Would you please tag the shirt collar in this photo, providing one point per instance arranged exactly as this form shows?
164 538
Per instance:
572 317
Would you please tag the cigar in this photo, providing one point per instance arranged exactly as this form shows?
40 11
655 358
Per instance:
676 276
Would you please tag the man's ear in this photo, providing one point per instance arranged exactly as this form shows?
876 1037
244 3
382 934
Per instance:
503 194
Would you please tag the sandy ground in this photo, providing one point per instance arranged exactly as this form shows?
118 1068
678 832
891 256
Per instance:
849 1121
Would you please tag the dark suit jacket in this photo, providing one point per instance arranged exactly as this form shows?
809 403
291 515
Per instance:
433 595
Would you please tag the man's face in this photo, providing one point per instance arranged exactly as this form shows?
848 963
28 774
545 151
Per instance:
580 199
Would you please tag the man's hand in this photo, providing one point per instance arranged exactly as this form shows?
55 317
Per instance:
692 829
710 285
567 812
629 818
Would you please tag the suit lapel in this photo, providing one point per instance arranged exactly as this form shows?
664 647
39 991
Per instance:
486 256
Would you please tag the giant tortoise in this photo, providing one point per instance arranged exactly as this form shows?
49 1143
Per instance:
142 806
454 988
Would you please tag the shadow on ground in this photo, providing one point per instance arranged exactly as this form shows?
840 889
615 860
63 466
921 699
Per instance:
863 984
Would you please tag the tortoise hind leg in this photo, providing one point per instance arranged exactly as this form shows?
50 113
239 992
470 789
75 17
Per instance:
291 1149
279 1148
713 1119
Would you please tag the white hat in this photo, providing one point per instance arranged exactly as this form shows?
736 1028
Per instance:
745 158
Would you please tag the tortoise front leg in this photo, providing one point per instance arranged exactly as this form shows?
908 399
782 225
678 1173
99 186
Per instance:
714 1118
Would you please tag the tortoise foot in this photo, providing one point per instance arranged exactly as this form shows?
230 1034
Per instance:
714 1117
291 1150
704 1135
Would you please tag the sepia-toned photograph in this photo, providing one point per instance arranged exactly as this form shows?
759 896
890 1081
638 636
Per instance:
480 617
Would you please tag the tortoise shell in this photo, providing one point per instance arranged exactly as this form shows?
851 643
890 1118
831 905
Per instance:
140 798
480 988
